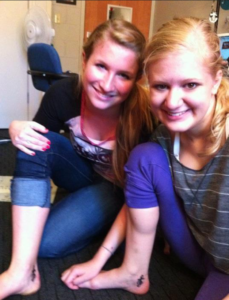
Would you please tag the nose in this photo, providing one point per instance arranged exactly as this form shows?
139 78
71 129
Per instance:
107 83
173 98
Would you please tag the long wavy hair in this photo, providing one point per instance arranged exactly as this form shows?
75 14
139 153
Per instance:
135 121
194 34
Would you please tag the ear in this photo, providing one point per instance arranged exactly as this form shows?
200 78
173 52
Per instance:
218 79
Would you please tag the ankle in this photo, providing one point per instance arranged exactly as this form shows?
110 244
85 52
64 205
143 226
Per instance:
140 285
25 273
17 283
137 282
21 267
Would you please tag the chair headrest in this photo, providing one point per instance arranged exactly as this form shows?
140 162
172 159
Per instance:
44 57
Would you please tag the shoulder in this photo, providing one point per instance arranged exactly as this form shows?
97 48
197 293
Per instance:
145 155
145 149
59 104
62 87
161 132
63 97
162 136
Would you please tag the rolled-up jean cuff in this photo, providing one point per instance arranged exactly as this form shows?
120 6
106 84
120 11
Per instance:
30 192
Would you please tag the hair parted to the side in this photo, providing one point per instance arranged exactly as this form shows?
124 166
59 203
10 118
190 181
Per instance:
121 32
135 119
195 35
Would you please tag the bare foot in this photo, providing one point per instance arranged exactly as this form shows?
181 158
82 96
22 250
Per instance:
117 278
12 283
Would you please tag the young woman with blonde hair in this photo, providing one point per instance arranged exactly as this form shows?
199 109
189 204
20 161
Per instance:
181 177
107 114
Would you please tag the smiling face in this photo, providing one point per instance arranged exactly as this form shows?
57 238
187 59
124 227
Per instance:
109 75
182 92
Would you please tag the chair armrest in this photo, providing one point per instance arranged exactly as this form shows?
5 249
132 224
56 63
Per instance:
50 75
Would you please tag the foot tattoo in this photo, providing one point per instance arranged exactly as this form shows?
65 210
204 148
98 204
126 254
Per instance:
33 275
140 281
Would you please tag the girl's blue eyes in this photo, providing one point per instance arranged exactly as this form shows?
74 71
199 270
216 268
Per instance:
122 75
100 66
160 87
163 87
191 85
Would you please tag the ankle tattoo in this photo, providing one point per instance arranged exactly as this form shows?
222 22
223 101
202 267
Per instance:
33 274
140 281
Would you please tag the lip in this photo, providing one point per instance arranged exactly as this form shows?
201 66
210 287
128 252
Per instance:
104 96
176 115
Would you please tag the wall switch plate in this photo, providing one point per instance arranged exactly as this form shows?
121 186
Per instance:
57 18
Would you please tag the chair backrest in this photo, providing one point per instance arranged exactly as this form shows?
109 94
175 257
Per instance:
45 65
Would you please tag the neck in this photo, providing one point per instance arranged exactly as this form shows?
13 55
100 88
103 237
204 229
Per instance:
190 151
106 114
195 144
93 120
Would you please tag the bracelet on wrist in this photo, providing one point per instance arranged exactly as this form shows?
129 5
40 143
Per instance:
107 249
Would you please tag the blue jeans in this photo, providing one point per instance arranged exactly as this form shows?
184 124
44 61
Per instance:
88 210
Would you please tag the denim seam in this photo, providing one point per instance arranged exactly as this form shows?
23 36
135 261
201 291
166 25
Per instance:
52 153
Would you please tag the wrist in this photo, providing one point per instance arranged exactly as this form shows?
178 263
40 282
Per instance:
107 249
102 256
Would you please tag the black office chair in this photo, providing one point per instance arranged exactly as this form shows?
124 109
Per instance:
45 66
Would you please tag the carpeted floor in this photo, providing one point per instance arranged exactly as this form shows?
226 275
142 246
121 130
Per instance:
169 278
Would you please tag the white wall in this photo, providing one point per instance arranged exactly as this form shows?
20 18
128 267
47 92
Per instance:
18 99
68 40
34 95
13 79
164 11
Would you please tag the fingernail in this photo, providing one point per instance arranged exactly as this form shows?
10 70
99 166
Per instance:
48 142
44 149
47 146
33 154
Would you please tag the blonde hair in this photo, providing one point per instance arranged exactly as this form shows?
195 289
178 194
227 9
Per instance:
194 34
135 119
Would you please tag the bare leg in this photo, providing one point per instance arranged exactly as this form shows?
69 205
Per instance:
22 277
133 274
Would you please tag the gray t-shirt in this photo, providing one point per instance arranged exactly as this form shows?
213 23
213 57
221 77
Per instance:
205 195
